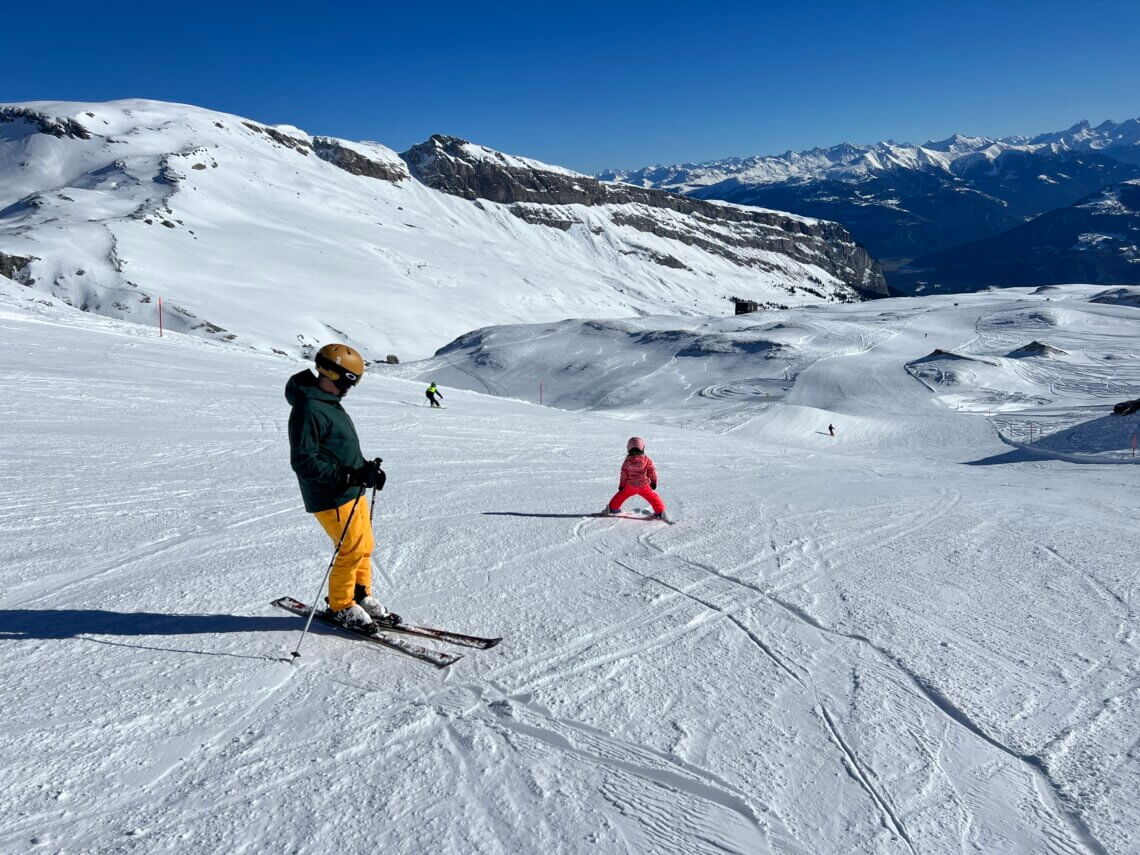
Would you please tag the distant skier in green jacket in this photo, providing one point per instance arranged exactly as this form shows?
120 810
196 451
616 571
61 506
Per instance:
433 394
332 473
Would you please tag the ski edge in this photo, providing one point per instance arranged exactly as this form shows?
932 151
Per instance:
479 642
438 658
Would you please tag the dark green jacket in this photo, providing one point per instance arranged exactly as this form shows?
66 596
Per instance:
322 444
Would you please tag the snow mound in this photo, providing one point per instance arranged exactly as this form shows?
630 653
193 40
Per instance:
1118 297
1037 348
1105 439
742 374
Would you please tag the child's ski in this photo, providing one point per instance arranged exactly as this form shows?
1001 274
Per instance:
645 517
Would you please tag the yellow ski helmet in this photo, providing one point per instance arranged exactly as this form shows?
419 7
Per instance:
341 364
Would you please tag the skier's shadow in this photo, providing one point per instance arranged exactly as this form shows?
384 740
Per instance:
75 623
547 516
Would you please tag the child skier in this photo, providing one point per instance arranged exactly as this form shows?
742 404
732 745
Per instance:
432 392
638 478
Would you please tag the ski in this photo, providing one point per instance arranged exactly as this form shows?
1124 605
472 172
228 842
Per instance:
644 517
438 658
477 641
450 637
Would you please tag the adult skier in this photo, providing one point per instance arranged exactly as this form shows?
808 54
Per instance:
638 478
432 394
831 430
333 475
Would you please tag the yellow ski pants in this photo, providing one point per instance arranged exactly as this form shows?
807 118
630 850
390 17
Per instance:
353 565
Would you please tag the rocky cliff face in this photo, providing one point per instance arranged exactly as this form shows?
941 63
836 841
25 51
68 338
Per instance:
58 127
546 195
359 159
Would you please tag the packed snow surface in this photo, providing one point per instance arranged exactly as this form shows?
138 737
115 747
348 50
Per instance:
906 638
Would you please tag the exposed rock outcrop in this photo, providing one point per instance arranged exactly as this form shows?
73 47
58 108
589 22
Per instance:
56 127
473 172
357 163
15 267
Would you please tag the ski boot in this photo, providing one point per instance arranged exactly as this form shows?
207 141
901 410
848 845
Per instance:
380 615
354 617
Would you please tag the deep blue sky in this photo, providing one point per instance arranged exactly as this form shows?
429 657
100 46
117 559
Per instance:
592 85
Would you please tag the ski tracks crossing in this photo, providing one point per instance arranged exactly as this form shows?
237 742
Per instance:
811 657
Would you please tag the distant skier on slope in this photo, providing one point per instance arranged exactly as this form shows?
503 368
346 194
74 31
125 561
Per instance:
432 394
831 430
333 474
638 478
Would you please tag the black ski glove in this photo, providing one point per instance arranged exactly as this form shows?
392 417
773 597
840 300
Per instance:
652 485
368 475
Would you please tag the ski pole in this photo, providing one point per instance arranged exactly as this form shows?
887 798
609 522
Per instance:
336 552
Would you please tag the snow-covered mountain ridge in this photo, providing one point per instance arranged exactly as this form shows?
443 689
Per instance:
905 201
851 162
282 240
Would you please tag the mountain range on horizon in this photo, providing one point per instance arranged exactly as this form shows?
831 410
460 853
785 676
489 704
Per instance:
282 240
912 205
846 157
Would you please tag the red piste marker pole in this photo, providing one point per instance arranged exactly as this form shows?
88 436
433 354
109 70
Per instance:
160 317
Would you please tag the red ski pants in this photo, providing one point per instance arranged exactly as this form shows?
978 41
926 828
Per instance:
645 491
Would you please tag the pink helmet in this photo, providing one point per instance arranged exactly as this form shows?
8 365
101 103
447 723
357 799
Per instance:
635 442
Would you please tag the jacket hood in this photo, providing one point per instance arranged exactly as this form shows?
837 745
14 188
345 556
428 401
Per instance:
303 385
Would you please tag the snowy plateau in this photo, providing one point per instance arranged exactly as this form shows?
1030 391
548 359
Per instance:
918 635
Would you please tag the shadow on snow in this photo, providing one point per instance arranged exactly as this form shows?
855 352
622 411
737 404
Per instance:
70 623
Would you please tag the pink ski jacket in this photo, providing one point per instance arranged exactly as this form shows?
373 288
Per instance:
637 471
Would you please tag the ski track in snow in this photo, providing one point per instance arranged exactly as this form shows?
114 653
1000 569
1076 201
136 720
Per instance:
861 648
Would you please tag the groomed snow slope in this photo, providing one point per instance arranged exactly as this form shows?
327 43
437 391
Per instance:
865 647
